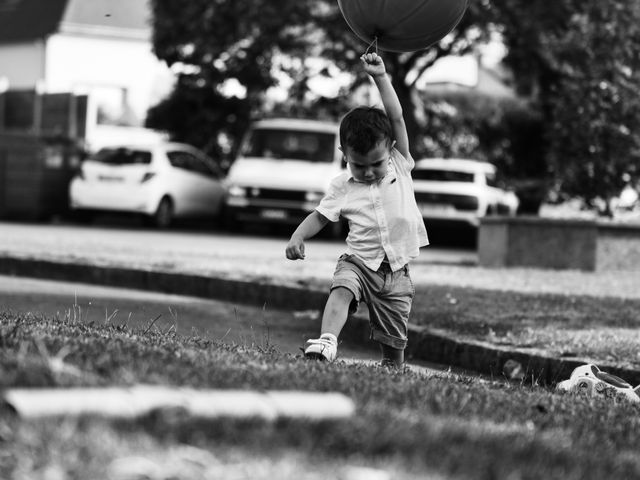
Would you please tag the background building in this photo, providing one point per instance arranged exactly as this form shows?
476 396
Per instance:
99 48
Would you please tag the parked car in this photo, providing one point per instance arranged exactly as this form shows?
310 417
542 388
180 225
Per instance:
283 170
162 181
460 191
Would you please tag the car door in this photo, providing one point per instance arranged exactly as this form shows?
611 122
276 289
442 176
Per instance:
211 194
205 187
183 179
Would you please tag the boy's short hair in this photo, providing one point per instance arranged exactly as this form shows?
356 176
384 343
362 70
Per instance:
363 128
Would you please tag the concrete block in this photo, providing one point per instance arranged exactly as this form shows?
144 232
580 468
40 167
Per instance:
618 247
538 243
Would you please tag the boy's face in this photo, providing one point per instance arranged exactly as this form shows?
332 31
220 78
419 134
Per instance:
371 166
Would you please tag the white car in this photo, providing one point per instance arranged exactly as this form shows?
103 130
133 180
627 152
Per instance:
460 191
282 171
161 181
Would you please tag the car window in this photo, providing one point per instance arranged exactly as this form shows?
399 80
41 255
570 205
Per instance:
438 175
177 160
492 179
189 162
212 167
294 144
122 156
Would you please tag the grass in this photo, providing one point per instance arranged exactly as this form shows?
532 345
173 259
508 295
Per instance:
602 328
407 424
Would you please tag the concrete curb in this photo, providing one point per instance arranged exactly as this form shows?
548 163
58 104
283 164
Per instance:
424 344
486 358
249 292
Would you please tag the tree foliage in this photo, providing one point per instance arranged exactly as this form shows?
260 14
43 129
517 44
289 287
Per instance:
594 132
575 63
212 42
578 61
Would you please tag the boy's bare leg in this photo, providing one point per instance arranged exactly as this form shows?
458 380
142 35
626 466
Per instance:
336 311
391 356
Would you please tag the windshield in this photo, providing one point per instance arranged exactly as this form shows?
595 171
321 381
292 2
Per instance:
436 175
122 156
293 144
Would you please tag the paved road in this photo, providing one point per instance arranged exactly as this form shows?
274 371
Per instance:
261 256
193 251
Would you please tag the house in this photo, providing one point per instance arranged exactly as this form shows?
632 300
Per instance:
469 73
480 72
101 48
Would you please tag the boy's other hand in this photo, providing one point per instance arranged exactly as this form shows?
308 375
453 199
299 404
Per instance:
295 249
373 64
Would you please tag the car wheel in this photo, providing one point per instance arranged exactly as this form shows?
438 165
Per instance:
83 217
163 216
230 222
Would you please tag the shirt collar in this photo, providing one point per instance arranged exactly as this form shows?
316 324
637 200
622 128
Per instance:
390 175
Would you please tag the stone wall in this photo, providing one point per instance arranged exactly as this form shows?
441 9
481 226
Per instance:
558 244
618 247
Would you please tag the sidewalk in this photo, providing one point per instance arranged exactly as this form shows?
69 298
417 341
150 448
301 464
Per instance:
301 286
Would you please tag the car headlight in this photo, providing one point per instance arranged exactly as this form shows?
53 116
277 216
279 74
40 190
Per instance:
236 191
313 196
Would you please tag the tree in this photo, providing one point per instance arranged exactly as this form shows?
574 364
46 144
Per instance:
344 49
594 131
212 42
578 62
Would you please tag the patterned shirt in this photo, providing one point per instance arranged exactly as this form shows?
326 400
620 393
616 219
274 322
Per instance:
384 220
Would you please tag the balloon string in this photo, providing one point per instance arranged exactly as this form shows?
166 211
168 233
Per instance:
375 41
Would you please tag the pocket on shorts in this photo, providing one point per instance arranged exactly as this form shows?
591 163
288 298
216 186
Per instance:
344 256
408 278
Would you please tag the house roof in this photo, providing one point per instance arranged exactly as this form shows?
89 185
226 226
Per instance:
28 20
22 20
118 14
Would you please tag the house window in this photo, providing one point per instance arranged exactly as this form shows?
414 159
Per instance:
113 106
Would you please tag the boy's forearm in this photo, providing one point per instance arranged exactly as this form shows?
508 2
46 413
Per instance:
310 226
389 96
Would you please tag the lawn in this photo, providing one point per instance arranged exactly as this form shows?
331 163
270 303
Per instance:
408 425
604 329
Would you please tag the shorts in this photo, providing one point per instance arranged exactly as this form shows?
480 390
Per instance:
387 294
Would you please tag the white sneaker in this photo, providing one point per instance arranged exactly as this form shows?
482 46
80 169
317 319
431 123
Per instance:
324 348
590 381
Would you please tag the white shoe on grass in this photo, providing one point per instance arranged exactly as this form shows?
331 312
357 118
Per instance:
324 348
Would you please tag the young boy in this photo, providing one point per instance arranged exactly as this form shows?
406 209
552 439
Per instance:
386 229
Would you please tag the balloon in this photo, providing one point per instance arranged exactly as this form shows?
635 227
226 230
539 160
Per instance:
402 25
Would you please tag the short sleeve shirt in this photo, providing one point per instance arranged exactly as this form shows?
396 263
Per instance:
384 219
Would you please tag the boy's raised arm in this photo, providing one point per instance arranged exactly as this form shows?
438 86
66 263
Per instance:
374 66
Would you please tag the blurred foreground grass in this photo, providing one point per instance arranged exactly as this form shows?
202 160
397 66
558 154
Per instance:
407 424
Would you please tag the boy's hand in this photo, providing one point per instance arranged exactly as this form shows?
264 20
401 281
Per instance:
295 248
373 64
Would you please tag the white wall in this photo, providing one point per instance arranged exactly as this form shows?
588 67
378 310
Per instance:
22 64
107 67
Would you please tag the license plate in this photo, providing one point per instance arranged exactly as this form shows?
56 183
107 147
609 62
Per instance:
108 178
273 214
434 208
